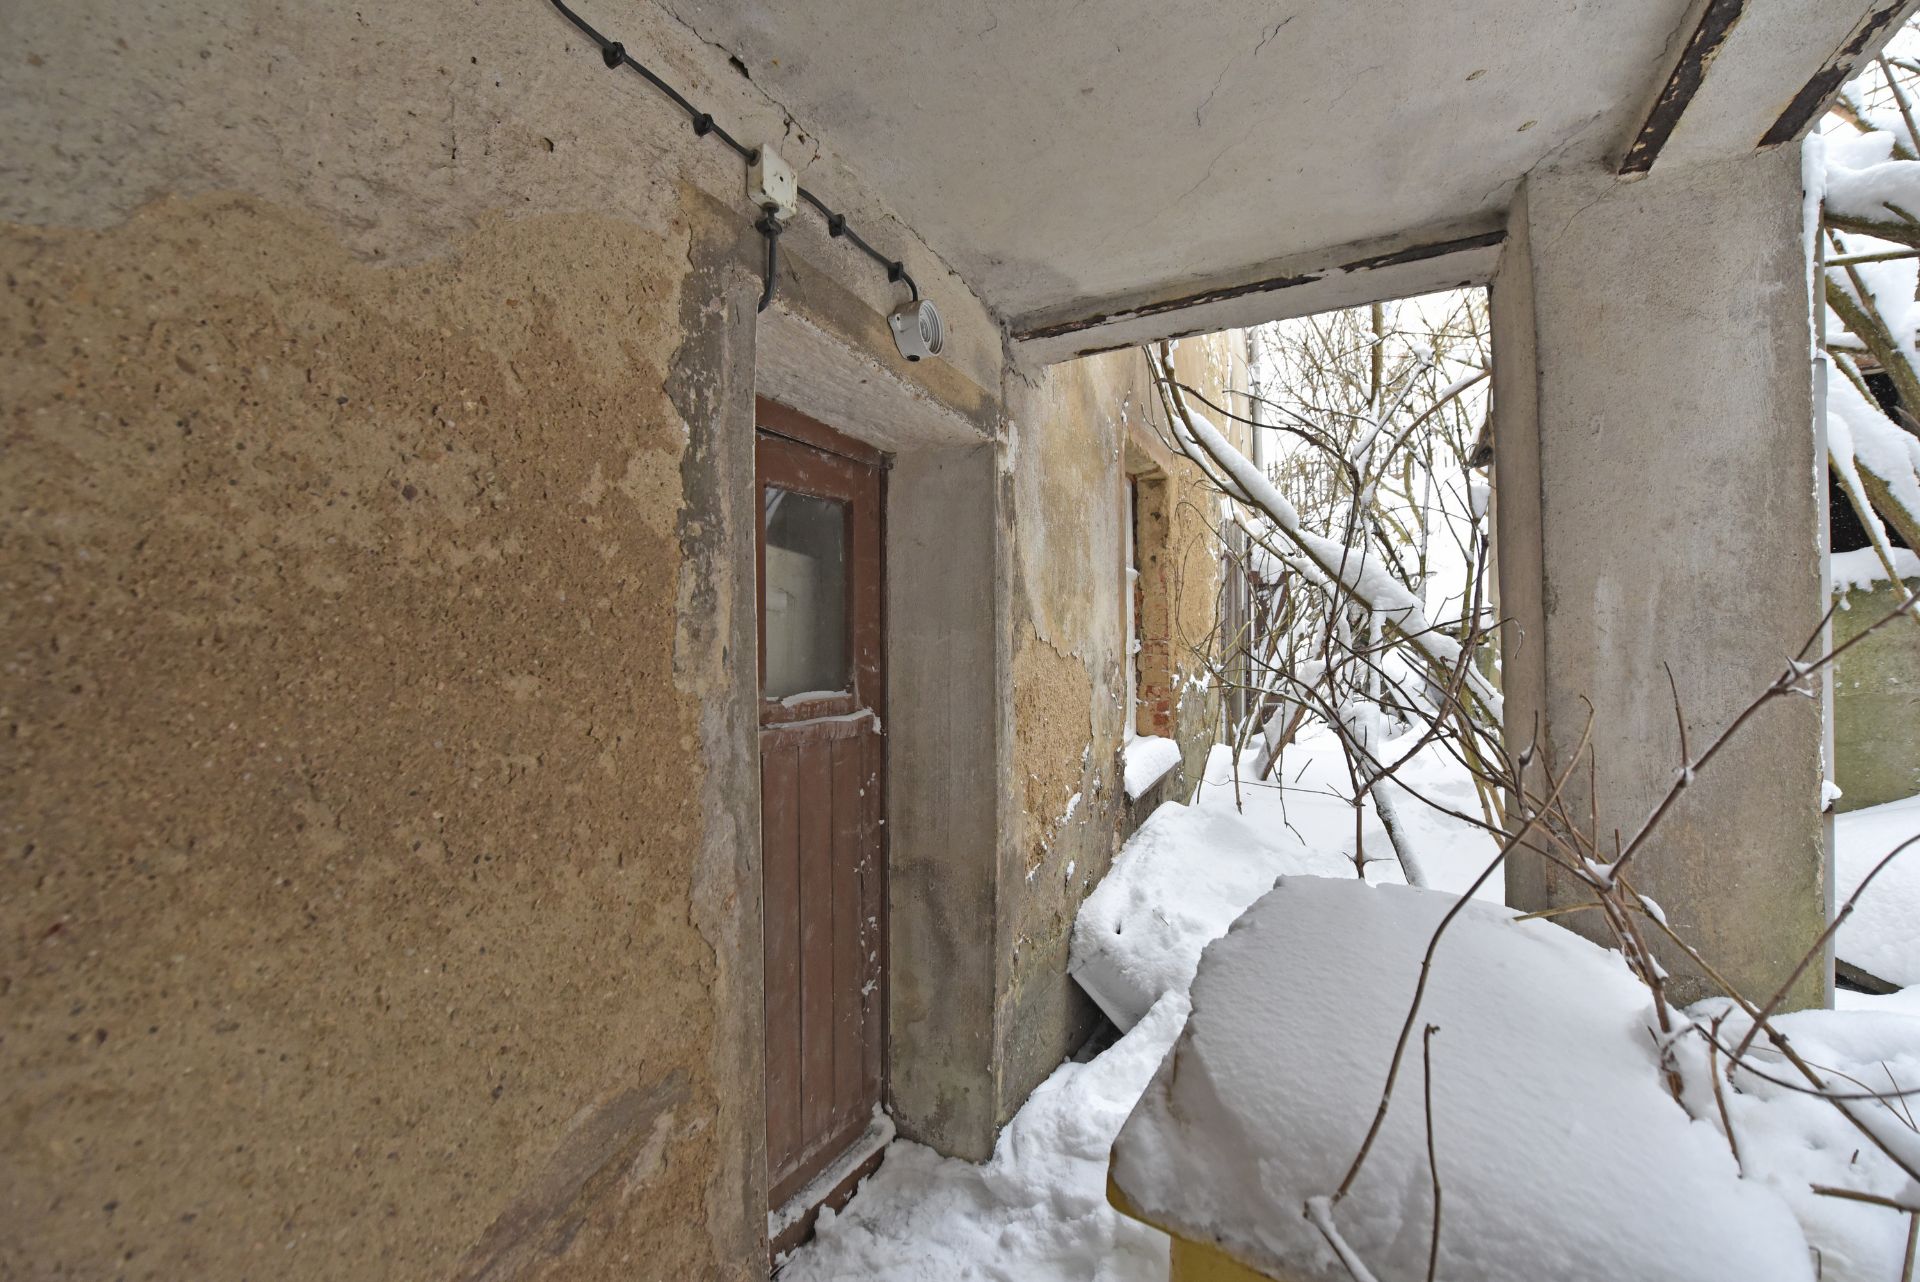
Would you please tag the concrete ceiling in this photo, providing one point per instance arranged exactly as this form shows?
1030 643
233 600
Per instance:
1074 159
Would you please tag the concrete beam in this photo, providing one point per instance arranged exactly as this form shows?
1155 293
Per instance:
1300 285
1743 75
1658 475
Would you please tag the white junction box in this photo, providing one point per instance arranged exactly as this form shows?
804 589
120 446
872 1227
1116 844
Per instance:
771 185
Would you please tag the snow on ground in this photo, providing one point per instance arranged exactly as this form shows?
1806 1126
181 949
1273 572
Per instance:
1791 1141
1882 937
1192 869
1035 1212
1561 1153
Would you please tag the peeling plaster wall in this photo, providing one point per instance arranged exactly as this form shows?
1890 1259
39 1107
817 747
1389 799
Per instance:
351 784
1068 460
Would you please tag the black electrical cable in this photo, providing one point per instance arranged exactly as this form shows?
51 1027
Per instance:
615 55
770 227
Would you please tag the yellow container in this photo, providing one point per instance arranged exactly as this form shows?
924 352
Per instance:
1191 1261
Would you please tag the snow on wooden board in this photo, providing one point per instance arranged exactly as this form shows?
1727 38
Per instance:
1148 759
1559 1150
1191 869
1882 937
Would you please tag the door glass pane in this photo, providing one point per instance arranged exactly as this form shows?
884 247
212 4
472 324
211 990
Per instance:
806 603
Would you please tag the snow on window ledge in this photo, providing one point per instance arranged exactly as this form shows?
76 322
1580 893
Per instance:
1150 758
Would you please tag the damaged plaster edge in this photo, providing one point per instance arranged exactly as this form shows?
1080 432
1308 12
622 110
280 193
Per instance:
711 386
1712 23
1811 102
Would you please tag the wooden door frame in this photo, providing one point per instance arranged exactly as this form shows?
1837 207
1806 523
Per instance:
802 455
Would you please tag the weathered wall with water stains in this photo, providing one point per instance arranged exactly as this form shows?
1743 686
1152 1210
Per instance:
381 884
1078 430
380 896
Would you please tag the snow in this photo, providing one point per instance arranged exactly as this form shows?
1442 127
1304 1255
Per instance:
1860 435
1514 1050
879 1134
1860 569
1178 883
1191 869
1881 936
1035 1212
1869 191
1790 1141
1364 575
1148 759
1560 1152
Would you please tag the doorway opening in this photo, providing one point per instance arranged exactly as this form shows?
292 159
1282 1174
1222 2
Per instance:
822 679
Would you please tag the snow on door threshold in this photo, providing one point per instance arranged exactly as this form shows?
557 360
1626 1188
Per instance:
878 1135
1036 1211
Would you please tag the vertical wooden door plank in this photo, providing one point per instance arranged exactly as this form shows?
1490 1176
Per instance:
873 918
816 941
848 974
780 856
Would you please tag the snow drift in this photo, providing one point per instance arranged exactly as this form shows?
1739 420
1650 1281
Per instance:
1561 1154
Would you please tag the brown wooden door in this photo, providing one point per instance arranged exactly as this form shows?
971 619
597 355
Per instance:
822 780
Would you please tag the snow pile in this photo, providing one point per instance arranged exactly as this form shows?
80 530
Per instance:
1869 192
1148 758
1560 1153
1791 1141
1882 937
1036 1212
1861 181
1190 870
1178 883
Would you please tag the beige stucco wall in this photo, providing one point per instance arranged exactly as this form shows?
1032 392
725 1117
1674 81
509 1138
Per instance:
1070 459
379 793
349 775
381 897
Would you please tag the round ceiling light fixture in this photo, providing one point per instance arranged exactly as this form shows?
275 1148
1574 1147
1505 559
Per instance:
917 330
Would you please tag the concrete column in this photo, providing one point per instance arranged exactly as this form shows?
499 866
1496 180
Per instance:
1658 474
946 691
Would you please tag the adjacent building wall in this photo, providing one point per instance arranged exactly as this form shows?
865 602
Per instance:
1078 430
1876 697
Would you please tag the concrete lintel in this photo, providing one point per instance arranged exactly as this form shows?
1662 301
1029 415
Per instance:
803 365
1345 276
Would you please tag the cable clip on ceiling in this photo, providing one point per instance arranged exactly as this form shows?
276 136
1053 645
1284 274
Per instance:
916 325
